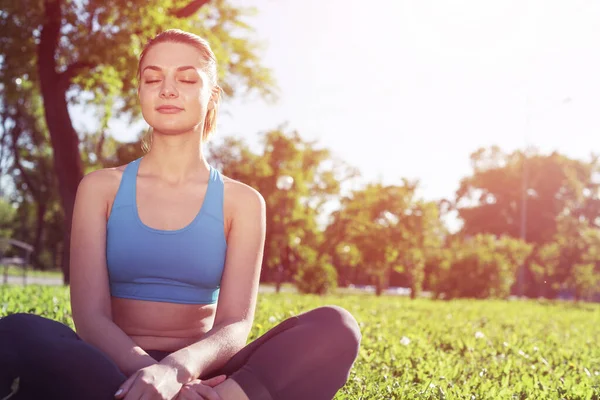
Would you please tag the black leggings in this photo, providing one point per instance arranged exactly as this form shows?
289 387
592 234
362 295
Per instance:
308 356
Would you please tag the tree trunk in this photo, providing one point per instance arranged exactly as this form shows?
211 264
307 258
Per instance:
55 257
39 231
413 292
380 283
64 139
278 280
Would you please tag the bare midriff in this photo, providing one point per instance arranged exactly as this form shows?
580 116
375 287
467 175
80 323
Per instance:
162 326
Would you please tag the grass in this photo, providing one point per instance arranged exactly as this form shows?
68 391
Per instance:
17 271
425 349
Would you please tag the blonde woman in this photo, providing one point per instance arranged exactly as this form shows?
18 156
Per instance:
165 263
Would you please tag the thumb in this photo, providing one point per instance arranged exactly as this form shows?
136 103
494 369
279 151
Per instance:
214 381
124 388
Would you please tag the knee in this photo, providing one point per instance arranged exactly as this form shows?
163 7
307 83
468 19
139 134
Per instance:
339 326
27 325
19 322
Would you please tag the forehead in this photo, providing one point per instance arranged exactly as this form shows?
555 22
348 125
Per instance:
173 55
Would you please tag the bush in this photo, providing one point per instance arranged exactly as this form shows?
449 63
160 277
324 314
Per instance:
480 267
317 278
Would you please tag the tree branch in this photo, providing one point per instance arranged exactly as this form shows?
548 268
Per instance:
49 35
65 77
3 148
100 148
91 20
189 10
16 132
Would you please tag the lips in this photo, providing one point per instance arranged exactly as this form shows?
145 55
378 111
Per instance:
168 109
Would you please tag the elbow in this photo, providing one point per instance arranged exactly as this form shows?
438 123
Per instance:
242 332
238 332
88 326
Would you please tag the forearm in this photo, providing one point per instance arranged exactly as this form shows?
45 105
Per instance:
104 334
210 353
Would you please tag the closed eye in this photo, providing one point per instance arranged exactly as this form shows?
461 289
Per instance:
181 81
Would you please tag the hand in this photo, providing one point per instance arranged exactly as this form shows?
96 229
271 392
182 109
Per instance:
155 382
201 390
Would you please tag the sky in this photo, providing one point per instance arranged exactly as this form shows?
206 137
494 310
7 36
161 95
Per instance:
411 88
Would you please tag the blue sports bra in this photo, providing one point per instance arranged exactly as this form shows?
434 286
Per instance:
176 266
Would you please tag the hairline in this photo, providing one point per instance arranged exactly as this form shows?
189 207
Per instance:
182 68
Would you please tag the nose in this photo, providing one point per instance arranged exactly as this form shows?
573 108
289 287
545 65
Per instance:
168 90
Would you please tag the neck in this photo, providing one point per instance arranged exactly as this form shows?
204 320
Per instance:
176 157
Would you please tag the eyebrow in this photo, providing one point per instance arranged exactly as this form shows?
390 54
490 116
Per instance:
155 68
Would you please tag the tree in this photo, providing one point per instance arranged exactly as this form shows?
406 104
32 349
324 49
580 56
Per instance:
526 196
316 278
570 263
490 201
482 266
27 160
294 234
383 228
66 49
7 216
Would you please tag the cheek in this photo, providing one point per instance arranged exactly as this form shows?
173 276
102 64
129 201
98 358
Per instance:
194 101
145 98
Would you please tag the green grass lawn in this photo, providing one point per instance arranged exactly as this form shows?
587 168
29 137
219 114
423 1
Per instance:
17 271
425 349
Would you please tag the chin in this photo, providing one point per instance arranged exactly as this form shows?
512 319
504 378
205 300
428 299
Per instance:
171 124
174 129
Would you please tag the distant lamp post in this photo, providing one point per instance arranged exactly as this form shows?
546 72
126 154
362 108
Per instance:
285 183
346 267
526 190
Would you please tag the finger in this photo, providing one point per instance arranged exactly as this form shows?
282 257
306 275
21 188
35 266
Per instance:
214 381
126 386
187 393
136 391
206 392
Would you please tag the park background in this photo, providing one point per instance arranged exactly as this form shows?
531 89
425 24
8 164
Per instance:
443 151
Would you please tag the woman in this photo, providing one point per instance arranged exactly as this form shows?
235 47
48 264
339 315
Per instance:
165 264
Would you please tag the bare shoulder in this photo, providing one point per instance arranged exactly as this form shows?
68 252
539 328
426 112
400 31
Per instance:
102 180
242 198
101 184
103 176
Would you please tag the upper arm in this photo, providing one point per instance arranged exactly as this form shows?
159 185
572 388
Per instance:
90 294
245 248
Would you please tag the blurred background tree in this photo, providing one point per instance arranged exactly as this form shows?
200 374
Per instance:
294 232
550 207
381 229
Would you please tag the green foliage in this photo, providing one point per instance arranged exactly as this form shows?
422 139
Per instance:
480 267
424 349
317 278
7 217
383 228
490 200
562 214
105 39
571 261
293 232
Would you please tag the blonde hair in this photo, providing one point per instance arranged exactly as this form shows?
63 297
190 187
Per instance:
179 36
